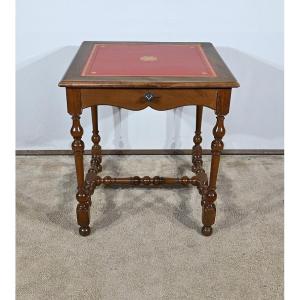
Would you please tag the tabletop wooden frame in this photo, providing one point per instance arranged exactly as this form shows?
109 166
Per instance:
137 93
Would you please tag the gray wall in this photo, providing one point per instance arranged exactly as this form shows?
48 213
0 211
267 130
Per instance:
248 34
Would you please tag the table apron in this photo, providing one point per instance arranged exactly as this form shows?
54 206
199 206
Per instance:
134 99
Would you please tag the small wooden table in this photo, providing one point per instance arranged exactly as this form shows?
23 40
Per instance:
136 75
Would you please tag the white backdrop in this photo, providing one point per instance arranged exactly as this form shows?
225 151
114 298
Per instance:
248 34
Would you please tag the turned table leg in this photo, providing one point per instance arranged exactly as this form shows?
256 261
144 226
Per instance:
96 148
210 196
197 150
83 206
209 193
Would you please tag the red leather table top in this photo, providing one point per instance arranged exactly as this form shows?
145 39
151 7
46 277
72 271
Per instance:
121 59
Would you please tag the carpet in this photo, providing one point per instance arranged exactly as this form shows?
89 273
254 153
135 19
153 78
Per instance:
145 243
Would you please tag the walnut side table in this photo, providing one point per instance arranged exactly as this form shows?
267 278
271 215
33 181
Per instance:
137 75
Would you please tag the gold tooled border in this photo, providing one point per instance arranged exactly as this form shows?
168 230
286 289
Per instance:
207 61
87 64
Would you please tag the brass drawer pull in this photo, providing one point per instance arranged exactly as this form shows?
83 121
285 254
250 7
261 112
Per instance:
149 96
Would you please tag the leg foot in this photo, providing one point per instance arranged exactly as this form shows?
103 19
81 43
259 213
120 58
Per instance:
84 231
206 230
208 213
83 215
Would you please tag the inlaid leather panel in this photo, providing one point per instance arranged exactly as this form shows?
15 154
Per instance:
126 59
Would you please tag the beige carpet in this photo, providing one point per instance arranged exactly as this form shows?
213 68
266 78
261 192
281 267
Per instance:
145 242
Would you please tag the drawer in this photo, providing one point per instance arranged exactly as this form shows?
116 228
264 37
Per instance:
158 99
